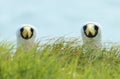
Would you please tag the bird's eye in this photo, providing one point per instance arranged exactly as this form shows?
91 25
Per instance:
96 27
31 29
84 27
21 30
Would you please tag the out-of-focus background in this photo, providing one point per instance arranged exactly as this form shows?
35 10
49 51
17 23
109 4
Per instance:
60 17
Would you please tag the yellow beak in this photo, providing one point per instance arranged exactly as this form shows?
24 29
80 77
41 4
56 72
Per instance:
90 29
26 32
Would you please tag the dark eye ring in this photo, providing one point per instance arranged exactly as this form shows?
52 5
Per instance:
32 29
21 30
96 27
84 27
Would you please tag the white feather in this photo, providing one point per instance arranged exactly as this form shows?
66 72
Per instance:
23 43
95 42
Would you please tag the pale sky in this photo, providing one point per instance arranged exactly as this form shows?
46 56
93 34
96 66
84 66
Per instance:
60 17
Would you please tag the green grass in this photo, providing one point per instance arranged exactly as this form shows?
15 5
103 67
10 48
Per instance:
58 59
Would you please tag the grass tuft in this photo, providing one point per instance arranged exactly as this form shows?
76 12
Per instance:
60 58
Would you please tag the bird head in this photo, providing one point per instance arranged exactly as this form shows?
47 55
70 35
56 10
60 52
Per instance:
26 32
90 30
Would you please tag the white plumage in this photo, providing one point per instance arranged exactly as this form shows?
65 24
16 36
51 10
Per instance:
91 35
26 35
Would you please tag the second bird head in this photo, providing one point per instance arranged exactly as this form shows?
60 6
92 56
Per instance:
91 30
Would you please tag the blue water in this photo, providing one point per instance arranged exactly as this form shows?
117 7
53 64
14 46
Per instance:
60 17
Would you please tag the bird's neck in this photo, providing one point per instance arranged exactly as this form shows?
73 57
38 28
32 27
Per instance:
26 44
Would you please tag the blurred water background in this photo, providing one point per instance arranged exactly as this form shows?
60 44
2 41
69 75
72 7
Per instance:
60 17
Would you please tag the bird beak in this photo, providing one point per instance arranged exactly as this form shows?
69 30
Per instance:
26 32
90 29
